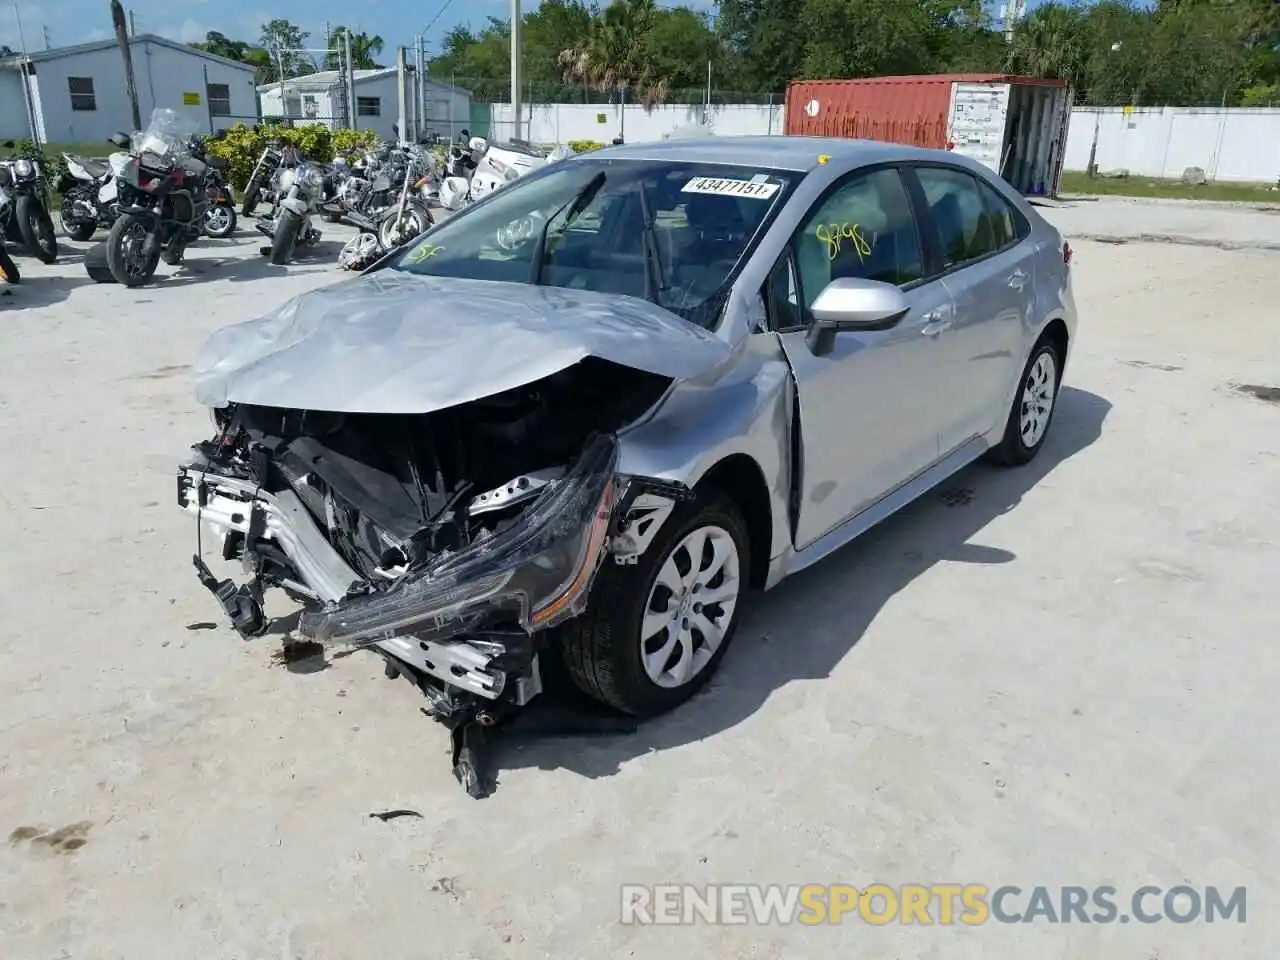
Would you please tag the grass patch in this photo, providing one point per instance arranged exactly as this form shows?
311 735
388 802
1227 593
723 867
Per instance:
1074 181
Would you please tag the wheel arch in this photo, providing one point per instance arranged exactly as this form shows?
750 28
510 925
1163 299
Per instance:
739 477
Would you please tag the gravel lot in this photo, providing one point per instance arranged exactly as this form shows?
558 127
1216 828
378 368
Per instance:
1059 675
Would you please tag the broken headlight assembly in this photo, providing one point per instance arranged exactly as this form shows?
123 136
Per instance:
538 571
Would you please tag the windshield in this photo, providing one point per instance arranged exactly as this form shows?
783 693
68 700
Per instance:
166 134
673 232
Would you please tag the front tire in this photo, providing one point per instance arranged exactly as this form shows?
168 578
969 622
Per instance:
285 237
1032 409
132 254
36 227
413 223
250 201
654 633
8 269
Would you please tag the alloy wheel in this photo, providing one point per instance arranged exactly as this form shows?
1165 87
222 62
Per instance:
1038 394
135 245
217 219
690 606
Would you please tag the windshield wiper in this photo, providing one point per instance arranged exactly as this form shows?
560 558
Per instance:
579 202
654 284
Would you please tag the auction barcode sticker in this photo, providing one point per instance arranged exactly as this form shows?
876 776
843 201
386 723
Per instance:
730 188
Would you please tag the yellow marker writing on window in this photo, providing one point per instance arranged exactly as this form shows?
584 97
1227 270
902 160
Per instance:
424 252
835 234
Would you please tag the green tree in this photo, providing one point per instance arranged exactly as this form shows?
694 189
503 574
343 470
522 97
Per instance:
679 45
763 43
614 55
364 49
284 41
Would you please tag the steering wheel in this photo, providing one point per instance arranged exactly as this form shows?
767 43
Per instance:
519 231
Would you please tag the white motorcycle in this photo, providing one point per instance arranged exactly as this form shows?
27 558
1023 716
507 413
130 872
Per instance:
494 167
300 190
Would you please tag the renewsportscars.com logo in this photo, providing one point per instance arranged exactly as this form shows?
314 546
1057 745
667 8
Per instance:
971 904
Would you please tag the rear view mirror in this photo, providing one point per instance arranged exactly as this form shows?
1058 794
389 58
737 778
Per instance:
853 304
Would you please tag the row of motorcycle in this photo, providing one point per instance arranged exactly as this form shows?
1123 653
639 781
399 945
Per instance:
163 189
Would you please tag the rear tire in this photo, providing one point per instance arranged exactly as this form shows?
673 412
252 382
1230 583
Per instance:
1032 408
285 237
223 217
616 647
36 226
8 269
81 231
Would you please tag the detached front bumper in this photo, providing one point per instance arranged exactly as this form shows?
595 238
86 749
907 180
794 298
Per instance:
465 619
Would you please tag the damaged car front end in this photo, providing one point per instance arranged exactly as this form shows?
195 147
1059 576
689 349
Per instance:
393 532
432 459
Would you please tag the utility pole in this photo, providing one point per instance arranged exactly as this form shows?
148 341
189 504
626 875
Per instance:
26 81
122 40
420 88
401 69
516 30
351 79
47 43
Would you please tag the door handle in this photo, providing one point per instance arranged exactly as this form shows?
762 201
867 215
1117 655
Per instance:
1017 279
935 322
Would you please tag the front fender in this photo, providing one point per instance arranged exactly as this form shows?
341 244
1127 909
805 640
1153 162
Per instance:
747 409
296 205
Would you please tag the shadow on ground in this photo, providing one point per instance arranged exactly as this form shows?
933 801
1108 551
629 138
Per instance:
35 292
773 646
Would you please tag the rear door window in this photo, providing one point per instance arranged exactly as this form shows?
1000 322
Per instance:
960 215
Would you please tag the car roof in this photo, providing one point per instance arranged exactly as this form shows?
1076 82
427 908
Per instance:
779 152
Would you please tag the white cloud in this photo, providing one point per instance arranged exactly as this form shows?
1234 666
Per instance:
190 31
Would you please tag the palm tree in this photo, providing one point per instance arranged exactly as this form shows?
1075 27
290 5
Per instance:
364 48
613 55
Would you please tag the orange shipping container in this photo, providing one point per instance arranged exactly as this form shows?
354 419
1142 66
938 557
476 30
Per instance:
1016 125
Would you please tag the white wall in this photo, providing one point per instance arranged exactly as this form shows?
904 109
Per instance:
1233 144
14 124
562 122
446 110
162 76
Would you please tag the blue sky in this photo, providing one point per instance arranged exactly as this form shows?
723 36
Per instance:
76 21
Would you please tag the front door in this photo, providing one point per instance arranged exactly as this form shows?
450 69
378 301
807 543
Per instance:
869 410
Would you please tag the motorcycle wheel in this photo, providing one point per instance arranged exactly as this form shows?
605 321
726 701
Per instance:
80 231
127 256
36 227
8 269
285 237
250 201
415 221
220 220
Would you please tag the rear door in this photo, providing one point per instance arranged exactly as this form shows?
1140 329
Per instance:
989 273
977 120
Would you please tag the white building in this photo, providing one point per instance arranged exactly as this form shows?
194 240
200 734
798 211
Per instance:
317 98
79 93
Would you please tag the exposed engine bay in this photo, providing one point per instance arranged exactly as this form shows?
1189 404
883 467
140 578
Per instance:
450 541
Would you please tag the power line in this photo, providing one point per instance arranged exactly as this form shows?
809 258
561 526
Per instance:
437 16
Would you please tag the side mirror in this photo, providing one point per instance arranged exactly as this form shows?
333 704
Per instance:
849 304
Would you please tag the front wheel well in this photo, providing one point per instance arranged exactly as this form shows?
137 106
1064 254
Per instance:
740 478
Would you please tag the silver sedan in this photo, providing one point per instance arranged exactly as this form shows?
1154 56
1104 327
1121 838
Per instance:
583 418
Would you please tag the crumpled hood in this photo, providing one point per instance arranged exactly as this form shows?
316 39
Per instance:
395 342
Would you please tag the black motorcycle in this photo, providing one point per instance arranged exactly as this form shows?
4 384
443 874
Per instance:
163 199
258 190
26 219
